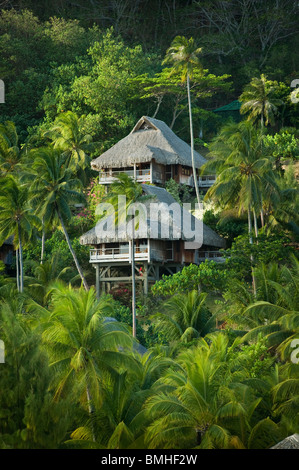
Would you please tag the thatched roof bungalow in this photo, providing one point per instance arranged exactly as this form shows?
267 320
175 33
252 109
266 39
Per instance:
152 152
163 235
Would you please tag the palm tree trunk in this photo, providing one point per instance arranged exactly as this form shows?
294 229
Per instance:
251 256
262 217
249 226
72 251
192 142
43 243
18 269
21 283
133 282
255 226
91 411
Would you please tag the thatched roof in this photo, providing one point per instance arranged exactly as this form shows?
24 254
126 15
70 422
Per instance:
291 442
169 227
150 139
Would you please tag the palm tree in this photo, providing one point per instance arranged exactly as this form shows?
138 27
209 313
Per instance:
277 318
245 177
201 405
82 343
285 395
283 211
17 220
10 152
54 188
46 274
183 54
121 420
126 186
68 137
257 99
184 317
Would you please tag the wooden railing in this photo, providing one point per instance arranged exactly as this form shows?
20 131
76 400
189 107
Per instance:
141 175
206 181
211 255
116 254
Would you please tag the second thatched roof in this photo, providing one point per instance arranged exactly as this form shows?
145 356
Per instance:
101 234
151 139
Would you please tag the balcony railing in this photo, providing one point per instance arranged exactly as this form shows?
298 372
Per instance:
141 175
211 255
117 254
206 181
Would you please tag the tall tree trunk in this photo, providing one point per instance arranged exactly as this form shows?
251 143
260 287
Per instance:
192 142
18 269
133 282
262 117
262 217
91 411
21 284
72 251
43 243
251 256
255 226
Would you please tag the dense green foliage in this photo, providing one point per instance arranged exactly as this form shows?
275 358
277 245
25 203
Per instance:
209 358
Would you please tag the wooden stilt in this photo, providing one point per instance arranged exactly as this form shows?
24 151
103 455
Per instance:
98 286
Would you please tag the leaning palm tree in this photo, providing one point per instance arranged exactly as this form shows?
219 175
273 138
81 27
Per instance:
16 220
257 99
53 190
126 186
183 55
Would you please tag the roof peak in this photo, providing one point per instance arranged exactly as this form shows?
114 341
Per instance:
144 123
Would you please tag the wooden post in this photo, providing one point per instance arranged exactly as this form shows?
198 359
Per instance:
157 272
145 278
135 172
98 287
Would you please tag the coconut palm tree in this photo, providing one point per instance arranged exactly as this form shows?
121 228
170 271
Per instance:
10 152
283 212
126 186
46 274
54 188
183 55
184 317
121 420
245 176
202 405
257 99
82 343
17 220
278 318
67 136
285 395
